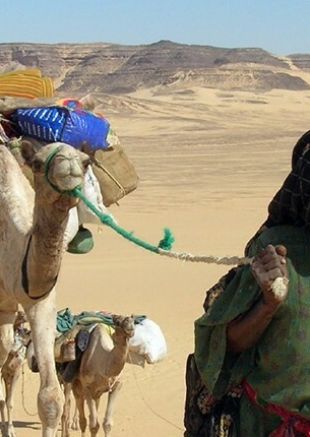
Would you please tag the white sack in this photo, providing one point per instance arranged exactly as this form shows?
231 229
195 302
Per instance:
148 344
91 190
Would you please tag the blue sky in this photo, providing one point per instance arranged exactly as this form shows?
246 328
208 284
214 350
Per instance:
279 26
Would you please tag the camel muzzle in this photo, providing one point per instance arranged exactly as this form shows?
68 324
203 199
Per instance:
63 184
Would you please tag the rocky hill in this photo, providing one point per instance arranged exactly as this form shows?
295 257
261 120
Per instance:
301 61
119 69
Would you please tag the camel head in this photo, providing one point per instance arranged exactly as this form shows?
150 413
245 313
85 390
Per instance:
125 325
58 168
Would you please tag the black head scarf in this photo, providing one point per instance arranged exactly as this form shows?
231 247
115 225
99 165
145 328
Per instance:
291 204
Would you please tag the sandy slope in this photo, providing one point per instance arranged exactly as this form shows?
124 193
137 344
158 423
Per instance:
209 162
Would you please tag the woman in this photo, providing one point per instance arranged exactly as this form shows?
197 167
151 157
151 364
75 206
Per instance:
250 373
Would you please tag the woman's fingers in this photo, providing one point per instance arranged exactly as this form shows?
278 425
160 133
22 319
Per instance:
268 266
271 258
281 250
270 263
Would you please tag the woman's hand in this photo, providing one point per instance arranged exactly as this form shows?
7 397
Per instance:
267 266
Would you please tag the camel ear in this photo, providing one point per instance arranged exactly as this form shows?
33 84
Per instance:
86 161
28 151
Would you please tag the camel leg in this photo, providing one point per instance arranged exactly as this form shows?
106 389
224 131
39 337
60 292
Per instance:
6 344
108 417
65 418
3 423
10 390
79 402
2 412
82 418
93 415
42 318
75 420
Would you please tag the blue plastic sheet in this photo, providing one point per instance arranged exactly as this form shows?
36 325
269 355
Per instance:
75 127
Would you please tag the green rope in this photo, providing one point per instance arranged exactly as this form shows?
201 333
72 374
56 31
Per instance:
165 243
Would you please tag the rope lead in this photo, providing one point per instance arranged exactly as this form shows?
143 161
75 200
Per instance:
165 244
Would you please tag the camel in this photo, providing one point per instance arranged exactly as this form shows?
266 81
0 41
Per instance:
11 370
100 371
33 237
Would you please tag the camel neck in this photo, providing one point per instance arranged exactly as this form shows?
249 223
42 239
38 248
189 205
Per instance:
118 354
45 250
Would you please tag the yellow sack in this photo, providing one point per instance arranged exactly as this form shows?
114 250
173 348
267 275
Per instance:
26 83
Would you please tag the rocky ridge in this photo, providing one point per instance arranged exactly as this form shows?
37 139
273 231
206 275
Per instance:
120 69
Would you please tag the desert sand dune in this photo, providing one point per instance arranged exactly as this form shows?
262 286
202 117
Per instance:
209 161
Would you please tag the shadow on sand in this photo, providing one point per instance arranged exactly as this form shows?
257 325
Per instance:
27 425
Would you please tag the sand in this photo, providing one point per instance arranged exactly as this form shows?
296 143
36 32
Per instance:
209 161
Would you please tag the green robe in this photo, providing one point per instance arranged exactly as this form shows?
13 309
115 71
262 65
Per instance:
278 366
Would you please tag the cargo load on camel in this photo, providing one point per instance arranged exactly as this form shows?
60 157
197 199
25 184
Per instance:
30 112
147 344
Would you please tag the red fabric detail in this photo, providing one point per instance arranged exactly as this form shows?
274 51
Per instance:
291 422
72 103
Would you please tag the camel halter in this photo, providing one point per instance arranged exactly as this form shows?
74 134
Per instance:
165 244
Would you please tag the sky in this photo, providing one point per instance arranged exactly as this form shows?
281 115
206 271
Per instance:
278 26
